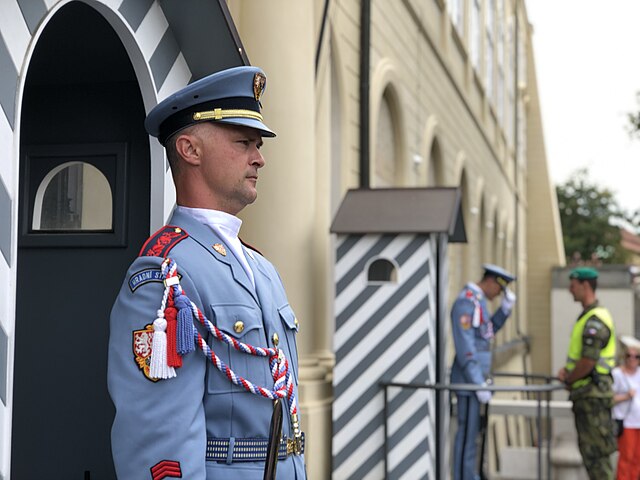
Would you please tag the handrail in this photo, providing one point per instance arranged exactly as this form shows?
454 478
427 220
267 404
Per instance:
538 390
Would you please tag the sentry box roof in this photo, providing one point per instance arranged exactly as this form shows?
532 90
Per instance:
401 210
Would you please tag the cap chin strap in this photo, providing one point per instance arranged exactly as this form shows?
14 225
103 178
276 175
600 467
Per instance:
220 113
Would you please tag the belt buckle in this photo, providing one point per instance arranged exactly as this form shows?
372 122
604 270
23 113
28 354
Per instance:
297 445
291 446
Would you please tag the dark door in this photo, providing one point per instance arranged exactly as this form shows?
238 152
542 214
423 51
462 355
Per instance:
84 212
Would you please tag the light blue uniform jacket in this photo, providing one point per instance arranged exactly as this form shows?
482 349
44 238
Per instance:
171 419
472 362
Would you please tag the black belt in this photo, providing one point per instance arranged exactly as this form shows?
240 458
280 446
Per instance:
231 450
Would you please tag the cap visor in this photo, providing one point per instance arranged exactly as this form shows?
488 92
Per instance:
251 123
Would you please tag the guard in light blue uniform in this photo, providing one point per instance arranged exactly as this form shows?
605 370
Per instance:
473 329
191 421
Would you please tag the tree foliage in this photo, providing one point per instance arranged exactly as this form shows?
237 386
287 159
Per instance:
634 131
588 214
634 120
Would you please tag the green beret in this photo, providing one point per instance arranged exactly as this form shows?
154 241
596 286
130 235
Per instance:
583 273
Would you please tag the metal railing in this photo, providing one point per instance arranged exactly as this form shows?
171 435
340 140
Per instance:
541 392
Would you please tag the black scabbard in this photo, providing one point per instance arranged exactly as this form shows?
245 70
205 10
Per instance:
275 432
484 427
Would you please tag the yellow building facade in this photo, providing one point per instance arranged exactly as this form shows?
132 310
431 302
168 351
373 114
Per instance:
450 99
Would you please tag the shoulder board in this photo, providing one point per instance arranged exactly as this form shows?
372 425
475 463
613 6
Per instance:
250 247
160 243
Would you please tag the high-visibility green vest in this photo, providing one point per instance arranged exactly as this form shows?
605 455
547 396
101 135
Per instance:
607 359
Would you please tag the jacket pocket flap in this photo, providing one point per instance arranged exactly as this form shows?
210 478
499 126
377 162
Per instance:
288 317
237 320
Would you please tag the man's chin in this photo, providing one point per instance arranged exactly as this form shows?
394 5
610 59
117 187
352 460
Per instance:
251 198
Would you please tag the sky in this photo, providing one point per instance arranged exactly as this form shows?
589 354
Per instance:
587 55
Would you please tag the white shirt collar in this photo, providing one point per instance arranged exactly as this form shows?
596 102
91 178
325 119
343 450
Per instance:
227 227
230 223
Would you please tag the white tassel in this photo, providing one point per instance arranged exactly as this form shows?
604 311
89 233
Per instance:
158 367
477 312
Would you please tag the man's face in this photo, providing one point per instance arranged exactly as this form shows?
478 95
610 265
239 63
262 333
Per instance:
577 289
493 289
230 163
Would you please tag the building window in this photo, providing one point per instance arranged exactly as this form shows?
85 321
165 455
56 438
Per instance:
489 48
500 61
475 36
382 270
73 196
385 156
456 13
510 79
522 83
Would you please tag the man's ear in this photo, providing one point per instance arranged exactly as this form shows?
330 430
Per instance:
189 148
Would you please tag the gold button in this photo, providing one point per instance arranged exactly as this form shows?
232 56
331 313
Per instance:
177 230
238 326
276 339
295 321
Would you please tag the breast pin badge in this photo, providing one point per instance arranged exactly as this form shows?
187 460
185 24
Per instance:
218 247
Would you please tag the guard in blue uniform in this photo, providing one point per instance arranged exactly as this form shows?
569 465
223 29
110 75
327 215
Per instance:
473 329
203 339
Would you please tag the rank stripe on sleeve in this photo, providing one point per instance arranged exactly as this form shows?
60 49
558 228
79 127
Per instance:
166 469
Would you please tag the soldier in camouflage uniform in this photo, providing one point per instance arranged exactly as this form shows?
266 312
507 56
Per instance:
587 375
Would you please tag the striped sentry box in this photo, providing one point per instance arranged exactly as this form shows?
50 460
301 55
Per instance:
385 310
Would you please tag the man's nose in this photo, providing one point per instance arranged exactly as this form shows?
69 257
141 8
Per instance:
258 159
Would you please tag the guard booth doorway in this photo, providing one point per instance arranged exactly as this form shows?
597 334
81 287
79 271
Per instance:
83 213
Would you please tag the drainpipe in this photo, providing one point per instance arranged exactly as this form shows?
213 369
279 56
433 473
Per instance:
365 63
325 14
519 333
516 141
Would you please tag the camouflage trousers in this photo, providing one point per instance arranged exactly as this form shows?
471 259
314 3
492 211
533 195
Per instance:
595 435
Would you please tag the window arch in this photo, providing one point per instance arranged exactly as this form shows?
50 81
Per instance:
382 270
386 172
73 196
434 170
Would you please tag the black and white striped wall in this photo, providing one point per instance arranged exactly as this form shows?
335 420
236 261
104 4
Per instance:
385 309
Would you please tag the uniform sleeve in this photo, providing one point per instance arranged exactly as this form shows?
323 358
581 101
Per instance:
159 425
595 337
463 339
498 319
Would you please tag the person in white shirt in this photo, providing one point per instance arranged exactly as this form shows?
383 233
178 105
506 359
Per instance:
626 382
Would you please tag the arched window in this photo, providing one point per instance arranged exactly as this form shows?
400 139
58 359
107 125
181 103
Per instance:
434 169
382 270
386 173
73 196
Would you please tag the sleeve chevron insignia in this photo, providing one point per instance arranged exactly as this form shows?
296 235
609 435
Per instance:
166 469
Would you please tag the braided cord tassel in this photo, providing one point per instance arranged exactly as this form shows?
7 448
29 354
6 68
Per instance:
158 365
185 343
283 380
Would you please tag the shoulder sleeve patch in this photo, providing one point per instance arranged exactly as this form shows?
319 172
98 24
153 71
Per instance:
161 242
595 332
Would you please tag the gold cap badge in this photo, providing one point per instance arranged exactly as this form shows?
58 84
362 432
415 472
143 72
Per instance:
259 84
218 247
